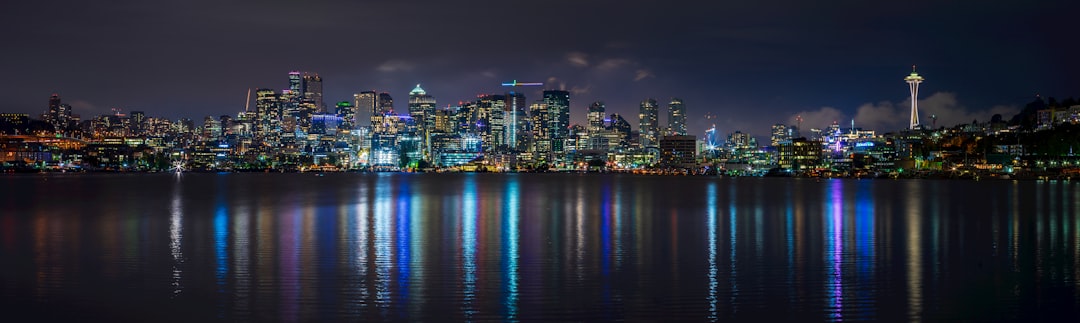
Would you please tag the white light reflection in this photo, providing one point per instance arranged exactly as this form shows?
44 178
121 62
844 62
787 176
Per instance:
384 208
176 235
363 231
511 234
417 241
468 246
914 249
713 317
241 261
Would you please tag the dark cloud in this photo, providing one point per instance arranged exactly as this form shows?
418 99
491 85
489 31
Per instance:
750 63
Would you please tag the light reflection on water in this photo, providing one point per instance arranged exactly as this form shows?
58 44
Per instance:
294 247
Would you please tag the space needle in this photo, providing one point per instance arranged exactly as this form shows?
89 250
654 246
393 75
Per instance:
913 81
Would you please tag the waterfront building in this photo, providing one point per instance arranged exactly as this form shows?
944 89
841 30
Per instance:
455 149
678 151
799 154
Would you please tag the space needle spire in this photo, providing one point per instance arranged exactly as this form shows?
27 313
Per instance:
913 81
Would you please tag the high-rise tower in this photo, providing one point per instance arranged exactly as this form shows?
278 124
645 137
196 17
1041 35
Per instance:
649 123
421 106
913 81
558 121
313 91
596 118
516 120
296 85
268 115
422 110
385 103
347 112
596 129
677 117
366 105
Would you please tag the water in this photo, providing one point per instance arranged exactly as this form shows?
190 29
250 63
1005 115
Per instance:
534 247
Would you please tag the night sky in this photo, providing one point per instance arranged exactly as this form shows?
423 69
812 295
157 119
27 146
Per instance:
742 65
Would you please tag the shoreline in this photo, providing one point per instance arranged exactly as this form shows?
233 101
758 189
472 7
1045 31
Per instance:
976 176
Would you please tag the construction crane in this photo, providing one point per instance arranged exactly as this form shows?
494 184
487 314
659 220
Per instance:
516 83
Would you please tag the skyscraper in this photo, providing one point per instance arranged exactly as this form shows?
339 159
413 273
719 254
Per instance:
541 135
677 117
596 117
780 135
138 123
313 91
558 122
516 120
649 123
268 114
421 107
595 130
296 85
381 106
620 126
58 114
491 121
366 105
347 112
422 110
913 81
385 103
54 106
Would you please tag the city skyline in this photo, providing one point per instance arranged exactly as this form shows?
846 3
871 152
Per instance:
747 65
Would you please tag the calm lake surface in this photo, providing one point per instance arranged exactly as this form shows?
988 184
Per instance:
534 247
